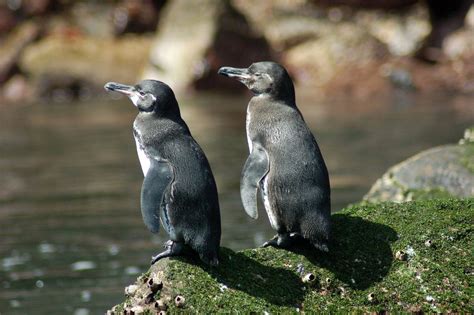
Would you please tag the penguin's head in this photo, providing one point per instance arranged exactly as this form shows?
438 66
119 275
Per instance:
264 78
149 96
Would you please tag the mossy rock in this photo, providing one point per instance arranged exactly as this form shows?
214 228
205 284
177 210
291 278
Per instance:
360 273
441 172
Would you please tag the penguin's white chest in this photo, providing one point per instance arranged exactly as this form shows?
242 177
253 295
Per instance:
272 216
247 129
143 158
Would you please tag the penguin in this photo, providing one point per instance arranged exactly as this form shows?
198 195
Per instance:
179 188
285 162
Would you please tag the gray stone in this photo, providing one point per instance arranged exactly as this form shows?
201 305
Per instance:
195 38
13 46
438 172
85 59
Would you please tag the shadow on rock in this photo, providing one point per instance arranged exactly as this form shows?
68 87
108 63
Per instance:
360 253
275 285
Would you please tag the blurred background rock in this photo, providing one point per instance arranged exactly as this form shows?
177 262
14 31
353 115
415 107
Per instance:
63 50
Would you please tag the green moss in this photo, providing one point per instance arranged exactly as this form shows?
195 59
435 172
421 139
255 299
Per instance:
119 309
467 158
361 261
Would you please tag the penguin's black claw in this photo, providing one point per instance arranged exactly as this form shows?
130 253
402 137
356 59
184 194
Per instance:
273 242
270 243
154 259
321 246
172 249
279 241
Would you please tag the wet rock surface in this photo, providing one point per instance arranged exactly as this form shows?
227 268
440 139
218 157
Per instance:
439 172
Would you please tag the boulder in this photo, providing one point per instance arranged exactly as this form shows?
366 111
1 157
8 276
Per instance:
378 262
439 172
13 47
73 62
313 42
195 38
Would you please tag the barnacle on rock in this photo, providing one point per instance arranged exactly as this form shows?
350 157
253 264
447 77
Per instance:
179 301
401 255
371 297
308 278
131 289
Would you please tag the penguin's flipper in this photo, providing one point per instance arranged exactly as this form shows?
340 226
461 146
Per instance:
255 169
157 180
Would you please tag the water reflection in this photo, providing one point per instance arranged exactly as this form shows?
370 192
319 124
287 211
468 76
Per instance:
71 230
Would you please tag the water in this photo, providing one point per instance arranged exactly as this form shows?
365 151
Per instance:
70 227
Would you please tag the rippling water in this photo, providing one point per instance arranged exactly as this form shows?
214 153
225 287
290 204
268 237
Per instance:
70 226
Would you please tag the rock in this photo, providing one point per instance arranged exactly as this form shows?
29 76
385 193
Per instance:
400 31
308 278
314 41
136 16
17 89
468 137
445 18
315 62
12 48
36 7
77 64
137 309
361 261
373 4
131 289
91 18
439 172
195 38
7 19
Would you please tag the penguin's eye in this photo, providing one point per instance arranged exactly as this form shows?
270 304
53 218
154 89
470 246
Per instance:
141 93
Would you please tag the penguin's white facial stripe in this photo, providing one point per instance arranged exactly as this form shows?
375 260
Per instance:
261 83
137 97
267 77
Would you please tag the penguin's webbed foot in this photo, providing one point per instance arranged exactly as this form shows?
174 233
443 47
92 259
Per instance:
172 249
279 241
321 246
272 242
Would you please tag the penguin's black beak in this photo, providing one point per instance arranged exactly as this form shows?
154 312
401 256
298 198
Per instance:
121 88
241 74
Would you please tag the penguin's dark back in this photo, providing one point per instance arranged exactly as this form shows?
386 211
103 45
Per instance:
194 188
295 158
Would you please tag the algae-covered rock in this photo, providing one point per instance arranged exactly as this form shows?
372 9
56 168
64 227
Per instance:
360 272
435 173
468 137
441 172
